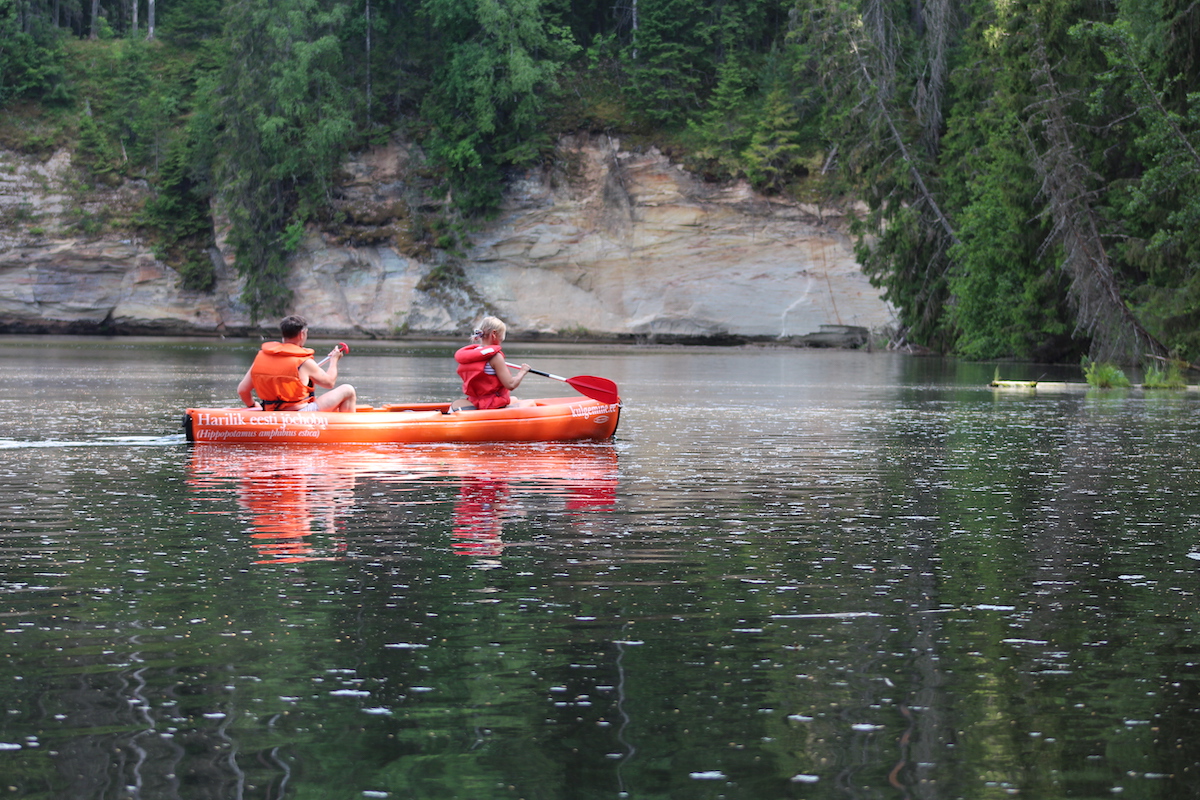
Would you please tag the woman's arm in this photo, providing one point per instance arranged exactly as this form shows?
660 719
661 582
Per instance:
510 379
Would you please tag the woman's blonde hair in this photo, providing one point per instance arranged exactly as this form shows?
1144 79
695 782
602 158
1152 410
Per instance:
488 325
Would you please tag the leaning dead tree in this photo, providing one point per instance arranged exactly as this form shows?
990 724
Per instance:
880 86
916 263
937 25
1068 186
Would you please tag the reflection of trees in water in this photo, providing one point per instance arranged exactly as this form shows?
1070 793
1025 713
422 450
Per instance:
937 559
143 686
91 764
1015 524
150 741
841 630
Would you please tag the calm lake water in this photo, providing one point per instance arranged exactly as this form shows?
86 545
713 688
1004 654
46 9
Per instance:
793 574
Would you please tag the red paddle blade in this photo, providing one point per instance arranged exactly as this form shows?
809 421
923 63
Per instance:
601 389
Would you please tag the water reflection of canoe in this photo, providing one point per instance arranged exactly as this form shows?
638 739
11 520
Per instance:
213 464
297 506
548 420
300 499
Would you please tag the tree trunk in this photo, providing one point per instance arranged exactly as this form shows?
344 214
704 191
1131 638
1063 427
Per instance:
133 25
149 19
634 28
367 12
877 90
95 33
939 19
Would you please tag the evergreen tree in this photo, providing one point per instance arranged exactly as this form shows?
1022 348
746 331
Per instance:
144 106
1160 207
496 70
667 61
187 23
1077 168
284 120
95 150
179 213
1006 294
1007 299
884 148
31 58
725 128
775 157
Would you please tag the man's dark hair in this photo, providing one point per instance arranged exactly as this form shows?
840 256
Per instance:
291 326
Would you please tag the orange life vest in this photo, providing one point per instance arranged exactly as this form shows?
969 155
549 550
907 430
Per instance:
482 389
276 376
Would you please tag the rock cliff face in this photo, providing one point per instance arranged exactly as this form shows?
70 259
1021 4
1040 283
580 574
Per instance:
606 243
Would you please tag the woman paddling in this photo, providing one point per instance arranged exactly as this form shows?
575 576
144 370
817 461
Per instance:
487 380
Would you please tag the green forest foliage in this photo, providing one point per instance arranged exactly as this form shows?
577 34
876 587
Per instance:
1029 169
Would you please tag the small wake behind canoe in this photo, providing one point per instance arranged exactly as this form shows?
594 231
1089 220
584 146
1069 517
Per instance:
553 419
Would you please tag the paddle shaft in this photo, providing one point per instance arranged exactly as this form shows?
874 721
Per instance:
538 372
601 389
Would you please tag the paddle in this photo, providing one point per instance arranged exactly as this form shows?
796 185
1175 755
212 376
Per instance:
601 389
345 348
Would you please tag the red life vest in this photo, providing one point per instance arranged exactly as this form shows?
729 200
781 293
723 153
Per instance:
275 374
482 389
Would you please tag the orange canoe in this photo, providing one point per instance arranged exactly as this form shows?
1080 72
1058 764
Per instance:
549 420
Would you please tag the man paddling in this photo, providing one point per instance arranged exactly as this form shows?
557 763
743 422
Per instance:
283 375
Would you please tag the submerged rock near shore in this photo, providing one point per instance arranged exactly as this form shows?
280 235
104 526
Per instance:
603 243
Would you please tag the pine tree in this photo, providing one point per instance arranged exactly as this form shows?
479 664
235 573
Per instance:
726 126
1160 98
285 119
495 71
775 157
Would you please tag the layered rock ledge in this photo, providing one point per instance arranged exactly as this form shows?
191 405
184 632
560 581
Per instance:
602 244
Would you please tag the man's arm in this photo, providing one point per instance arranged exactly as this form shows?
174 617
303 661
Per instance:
245 391
326 379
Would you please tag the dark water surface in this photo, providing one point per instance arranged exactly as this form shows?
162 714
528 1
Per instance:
794 574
